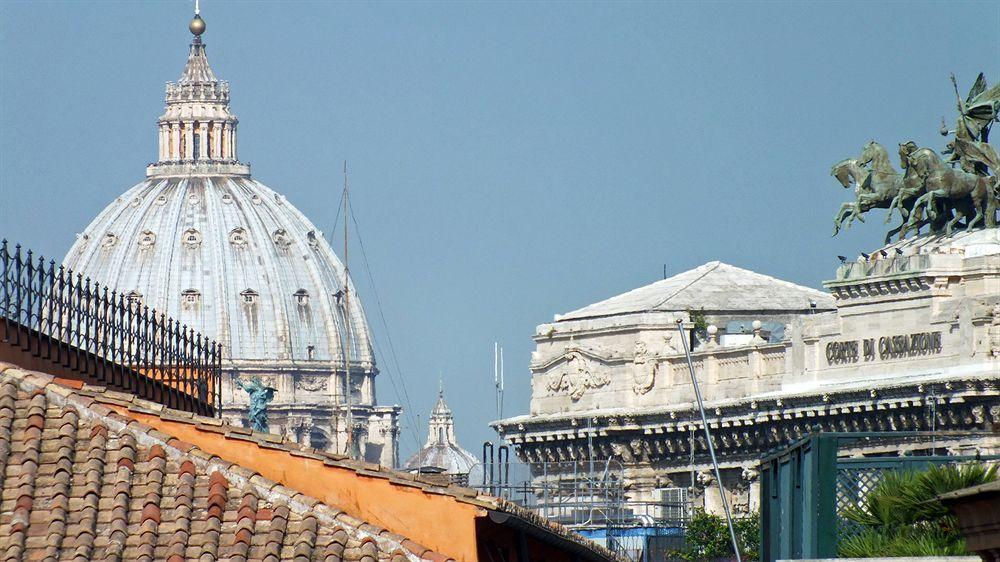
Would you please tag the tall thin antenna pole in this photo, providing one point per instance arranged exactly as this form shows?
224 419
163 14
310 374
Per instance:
496 376
501 381
708 440
347 324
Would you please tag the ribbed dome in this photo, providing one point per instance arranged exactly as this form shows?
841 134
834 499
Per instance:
231 257
203 242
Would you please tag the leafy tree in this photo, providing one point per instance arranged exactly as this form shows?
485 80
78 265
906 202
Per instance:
902 517
707 538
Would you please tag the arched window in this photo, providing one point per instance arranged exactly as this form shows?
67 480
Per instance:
190 297
197 140
211 137
146 239
191 238
238 237
250 296
318 440
133 298
302 297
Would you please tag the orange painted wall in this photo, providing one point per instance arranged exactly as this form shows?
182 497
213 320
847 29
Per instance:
435 521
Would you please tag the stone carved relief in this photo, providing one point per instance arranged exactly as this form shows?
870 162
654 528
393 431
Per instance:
995 333
705 478
266 380
576 377
643 371
311 384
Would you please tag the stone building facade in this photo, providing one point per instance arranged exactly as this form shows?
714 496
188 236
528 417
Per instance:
202 241
907 338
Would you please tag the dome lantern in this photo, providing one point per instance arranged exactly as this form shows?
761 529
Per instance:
197 132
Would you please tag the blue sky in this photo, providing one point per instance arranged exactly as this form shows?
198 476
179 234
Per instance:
509 161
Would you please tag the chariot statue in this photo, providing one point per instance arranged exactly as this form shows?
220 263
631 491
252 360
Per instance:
958 187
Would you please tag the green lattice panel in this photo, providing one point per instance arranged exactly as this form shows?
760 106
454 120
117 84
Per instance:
853 484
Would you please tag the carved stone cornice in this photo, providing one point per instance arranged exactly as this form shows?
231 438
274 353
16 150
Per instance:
758 412
746 443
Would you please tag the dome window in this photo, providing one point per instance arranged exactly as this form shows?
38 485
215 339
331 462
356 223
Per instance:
161 200
193 199
256 199
191 238
136 202
109 240
238 237
302 297
133 298
250 297
190 298
146 239
281 239
313 238
227 198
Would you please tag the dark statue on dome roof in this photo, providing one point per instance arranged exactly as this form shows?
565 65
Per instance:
934 190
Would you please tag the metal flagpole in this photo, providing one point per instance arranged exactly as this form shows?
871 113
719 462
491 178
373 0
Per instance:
351 445
708 439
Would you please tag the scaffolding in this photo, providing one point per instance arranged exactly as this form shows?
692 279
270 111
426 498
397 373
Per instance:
585 495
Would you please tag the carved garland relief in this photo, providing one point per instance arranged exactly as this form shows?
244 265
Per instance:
311 384
577 377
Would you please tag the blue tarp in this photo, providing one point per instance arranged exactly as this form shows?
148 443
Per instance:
633 532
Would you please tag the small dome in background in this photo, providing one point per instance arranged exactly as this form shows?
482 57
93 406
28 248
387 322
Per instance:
441 455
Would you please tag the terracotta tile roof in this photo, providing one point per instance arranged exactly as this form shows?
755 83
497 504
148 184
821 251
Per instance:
81 482
101 470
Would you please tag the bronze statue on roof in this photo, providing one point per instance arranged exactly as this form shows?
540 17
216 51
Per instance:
939 191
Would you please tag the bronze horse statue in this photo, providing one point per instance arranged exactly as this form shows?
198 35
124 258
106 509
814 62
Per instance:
877 187
968 193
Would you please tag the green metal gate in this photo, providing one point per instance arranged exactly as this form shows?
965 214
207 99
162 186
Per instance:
804 488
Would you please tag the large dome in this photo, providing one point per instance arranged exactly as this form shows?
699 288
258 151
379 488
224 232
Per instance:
203 242
232 257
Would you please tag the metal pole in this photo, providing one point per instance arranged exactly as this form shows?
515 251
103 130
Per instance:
708 439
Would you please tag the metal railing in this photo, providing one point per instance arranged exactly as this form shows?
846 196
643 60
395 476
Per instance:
105 335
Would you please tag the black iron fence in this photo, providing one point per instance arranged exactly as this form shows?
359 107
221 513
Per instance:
105 335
